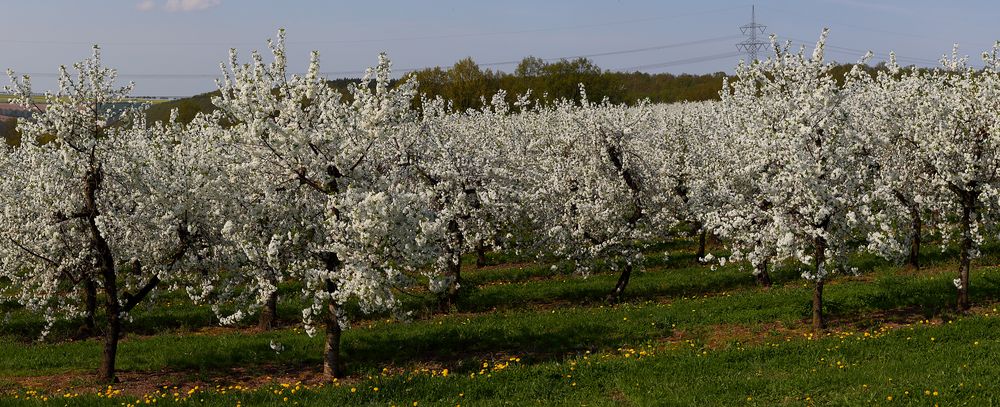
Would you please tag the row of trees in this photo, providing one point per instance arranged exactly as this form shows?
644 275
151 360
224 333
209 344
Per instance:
356 197
467 85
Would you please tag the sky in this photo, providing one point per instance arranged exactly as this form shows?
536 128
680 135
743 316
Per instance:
174 47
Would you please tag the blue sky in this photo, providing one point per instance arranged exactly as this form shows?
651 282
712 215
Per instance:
173 47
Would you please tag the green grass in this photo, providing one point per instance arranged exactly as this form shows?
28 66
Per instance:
708 337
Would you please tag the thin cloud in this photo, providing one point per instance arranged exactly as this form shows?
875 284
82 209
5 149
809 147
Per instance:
145 5
176 6
190 5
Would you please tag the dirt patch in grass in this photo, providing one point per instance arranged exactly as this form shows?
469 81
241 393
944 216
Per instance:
502 266
169 382
619 397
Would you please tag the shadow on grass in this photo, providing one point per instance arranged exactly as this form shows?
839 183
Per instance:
462 342
545 336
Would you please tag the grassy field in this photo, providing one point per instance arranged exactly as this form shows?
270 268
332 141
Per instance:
527 333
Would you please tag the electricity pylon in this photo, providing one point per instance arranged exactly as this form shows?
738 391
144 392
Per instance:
753 43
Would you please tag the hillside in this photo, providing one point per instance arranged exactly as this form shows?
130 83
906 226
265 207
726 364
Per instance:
187 108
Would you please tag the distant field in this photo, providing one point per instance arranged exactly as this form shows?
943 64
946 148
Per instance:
41 99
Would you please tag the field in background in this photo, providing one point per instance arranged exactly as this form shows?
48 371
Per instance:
41 99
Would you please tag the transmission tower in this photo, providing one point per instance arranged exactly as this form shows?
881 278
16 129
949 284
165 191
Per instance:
753 43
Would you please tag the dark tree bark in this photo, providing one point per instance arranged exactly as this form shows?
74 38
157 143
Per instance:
968 194
635 189
916 226
131 300
269 313
333 365
965 256
702 236
89 327
106 266
481 260
818 324
763 278
618 292
455 242
113 329
113 306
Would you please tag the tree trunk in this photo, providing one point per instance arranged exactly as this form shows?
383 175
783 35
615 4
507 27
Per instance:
618 292
818 324
111 336
89 326
269 313
763 278
480 255
701 244
455 273
615 156
695 228
916 224
106 265
333 366
112 307
453 251
965 256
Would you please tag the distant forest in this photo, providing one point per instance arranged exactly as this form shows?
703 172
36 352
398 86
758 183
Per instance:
467 85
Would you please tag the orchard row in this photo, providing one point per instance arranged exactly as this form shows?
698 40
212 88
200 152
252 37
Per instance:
356 196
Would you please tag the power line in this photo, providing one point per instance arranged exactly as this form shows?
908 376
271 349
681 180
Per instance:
658 47
684 61
374 40
193 76
859 27
859 52
600 54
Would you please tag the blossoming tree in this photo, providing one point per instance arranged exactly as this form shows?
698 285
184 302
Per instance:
791 108
321 195
593 189
959 147
92 195
684 151
461 158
